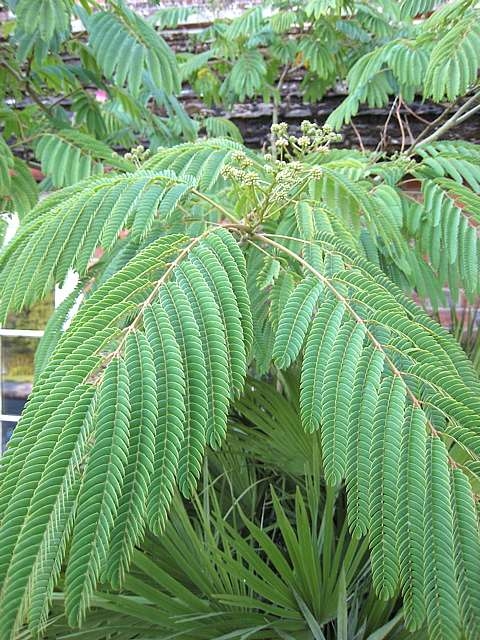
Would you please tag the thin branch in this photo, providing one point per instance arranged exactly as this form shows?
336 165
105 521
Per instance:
459 116
28 87
407 127
433 124
400 124
273 146
217 206
383 137
64 97
467 115
414 114
359 137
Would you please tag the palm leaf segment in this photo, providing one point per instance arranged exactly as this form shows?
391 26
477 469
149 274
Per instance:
142 380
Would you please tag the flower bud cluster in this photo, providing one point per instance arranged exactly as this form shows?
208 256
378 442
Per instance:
241 158
316 173
138 154
316 136
280 129
287 175
246 178
312 138
403 161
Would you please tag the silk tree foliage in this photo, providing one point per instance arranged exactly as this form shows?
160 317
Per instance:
237 262
111 84
71 99
381 48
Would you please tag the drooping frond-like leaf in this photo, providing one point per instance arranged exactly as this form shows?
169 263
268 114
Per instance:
412 8
44 19
438 551
218 127
337 383
20 192
69 156
126 47
128 527
64 444
6 167
217 279
366 387
170 17
410 514
408 62
367 83
467 560
384 452
101 489
66 235
246 24
246 77
214 348
153 347
171 414
457 159
294 321
446 237
203 159
320 342
454 60
188 336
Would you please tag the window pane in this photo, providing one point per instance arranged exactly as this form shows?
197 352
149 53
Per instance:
17 361
16 372
34 318
7 430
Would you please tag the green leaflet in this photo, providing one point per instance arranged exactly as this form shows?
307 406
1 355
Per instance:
362 407
454 61
467 552
72 229
438 547
214 347
129 524
70 156
336 395
221 287
280 292
170 384
187 334
126 47
57 454
233 261
98 499
411 497
46 19
53 330
323 332
209 157
294 321
384 454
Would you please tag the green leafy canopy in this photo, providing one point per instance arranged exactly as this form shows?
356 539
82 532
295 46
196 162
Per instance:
221 269
206 286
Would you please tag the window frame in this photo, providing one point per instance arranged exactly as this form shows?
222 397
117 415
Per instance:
11 333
